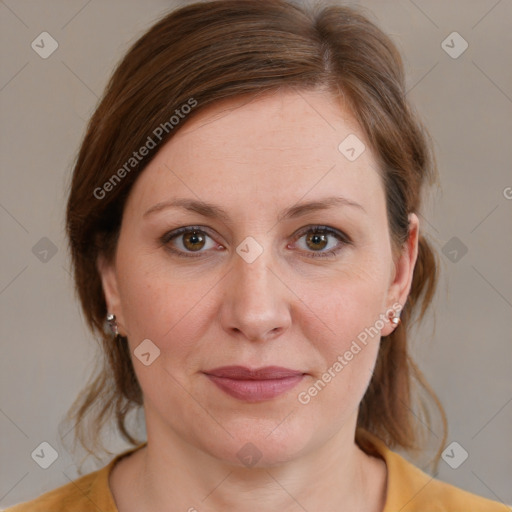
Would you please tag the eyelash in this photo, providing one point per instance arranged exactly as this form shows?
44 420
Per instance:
315 229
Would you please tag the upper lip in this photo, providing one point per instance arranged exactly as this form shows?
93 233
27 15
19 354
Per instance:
243 373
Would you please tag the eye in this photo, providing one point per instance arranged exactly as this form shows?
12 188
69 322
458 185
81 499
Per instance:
188 240
315 241
321 241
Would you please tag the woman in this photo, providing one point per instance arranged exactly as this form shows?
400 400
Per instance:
243 213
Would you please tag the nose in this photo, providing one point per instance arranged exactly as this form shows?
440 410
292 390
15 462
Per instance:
256 303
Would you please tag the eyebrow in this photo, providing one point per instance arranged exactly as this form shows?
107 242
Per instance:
212 211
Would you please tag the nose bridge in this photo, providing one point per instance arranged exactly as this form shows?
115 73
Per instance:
256 280
255 301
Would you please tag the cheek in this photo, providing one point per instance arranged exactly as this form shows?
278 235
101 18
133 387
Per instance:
343 318
173 313
169 308
345 303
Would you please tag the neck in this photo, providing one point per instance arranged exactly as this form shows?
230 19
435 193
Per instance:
174 475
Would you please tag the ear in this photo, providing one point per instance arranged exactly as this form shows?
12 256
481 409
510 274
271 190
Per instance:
401 281
109 282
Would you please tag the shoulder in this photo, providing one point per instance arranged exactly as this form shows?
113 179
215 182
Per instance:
413 490
86 493
77 496
409 489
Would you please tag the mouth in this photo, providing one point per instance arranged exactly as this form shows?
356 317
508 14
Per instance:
254 385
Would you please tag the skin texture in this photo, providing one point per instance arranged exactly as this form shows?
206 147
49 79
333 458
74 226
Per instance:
288 308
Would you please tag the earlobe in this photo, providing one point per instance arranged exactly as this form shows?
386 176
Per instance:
110 288
403 272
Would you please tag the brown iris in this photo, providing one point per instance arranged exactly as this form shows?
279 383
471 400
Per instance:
193 240
313 239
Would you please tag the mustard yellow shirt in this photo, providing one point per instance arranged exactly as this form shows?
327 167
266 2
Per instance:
408 490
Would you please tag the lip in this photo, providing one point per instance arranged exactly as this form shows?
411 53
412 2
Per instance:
244 373
254 385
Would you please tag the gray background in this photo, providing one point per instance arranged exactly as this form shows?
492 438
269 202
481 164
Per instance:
464 349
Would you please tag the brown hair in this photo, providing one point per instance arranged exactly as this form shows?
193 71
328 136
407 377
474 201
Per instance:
206 52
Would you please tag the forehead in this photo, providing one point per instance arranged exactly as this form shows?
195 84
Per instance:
284 145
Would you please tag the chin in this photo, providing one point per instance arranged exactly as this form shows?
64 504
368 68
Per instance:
260 443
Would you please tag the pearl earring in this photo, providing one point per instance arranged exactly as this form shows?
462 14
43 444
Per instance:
396 320
111 320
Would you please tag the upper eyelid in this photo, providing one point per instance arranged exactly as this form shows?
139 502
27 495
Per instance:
319 227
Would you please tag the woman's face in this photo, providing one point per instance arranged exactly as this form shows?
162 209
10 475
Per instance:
290 265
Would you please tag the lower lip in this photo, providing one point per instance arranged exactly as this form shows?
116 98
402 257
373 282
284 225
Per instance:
255 390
